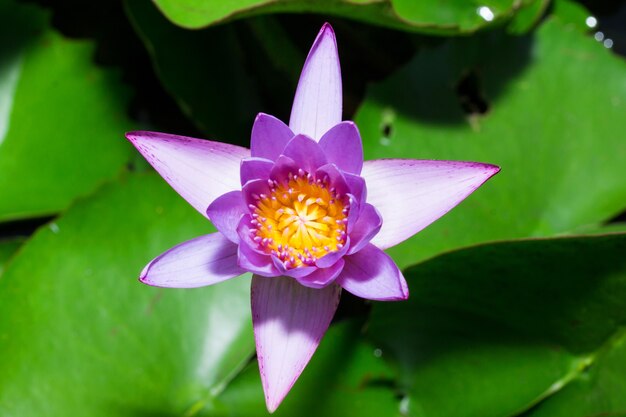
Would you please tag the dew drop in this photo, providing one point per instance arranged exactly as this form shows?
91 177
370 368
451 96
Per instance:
486 13
591 22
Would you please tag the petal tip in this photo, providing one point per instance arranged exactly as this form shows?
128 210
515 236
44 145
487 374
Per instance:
260 116
272 403
490 169
132 136
405 291
327 28
135 135
143 278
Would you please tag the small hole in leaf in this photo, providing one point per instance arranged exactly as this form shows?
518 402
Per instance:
468 90
387 129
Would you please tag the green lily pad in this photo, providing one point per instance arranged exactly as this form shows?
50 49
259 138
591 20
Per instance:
7 248
598 391
494 329
79 332
528 17
572 13
435 17
345 377
551 130
61 117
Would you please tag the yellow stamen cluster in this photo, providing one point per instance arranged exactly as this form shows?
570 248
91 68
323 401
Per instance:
300 220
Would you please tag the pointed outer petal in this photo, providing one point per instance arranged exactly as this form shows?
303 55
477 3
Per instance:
317 104
330 259
297 273
255 169
199 170
256 263
372 274
357 187
225 212
366 227
336 178
269 137
282 168
252 190
205 260
245 236
411 194
289 321
323 276
343 147
305 152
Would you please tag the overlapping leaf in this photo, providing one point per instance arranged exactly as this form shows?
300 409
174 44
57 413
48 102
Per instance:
61 117
79 333
555 102
452 17
494 329
597 391
204 71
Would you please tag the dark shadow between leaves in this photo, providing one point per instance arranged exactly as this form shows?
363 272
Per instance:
462 77
20 26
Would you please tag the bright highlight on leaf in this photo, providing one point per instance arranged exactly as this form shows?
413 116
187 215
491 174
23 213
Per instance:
301 221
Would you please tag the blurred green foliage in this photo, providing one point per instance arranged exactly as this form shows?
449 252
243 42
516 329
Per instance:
494 327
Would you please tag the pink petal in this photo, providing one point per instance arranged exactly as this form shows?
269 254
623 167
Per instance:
372 274
317 104
331 258
225 212
365 228
269 137
253 191
323 276
282 168
289 321
254 169
357 187
336 178
411 194
254 262
305 152
205 260
342 146
199 170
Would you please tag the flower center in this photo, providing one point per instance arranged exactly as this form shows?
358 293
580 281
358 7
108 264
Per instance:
300 220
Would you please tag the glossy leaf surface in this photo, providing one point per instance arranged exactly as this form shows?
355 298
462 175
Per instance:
95 339
491 330
61 117
451 17
551 132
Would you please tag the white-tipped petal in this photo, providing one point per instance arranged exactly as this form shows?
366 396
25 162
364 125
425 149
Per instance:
317 105
411 194
289 322
205 260
199 170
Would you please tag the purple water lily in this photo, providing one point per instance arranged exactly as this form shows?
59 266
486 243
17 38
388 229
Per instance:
303 212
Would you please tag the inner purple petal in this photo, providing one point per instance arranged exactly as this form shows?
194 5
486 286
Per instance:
298 217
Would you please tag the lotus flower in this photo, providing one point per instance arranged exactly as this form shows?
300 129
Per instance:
303 212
